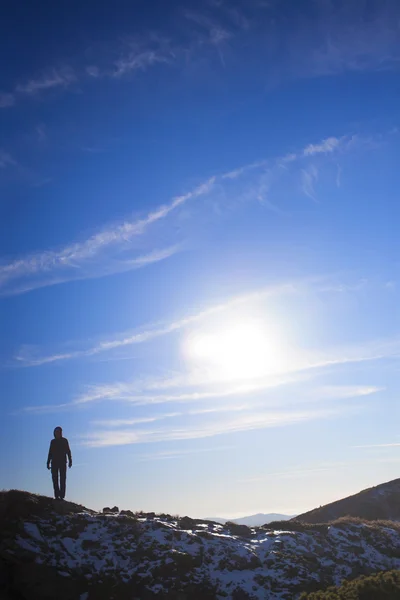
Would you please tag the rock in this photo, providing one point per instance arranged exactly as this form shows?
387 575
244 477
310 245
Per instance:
165 517
127 513
109 510
239 530
16 504
187 523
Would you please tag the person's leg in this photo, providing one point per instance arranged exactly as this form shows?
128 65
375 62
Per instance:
54 475
63 477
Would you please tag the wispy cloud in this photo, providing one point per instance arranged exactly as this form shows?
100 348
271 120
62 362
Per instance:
291 473
339 38
81 254
28 358
391 445
153 391
325 147
309 178
53 78
212 31
137 421
137 60
50 268
45 409
6 100
347 391
193 388
6 160
31 357
128 393
248 422
331 40
93 71
173 454
148 259
221 408
83 259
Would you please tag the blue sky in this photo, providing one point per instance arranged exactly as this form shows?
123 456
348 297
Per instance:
199 274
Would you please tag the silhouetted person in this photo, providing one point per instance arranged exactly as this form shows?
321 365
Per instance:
58 453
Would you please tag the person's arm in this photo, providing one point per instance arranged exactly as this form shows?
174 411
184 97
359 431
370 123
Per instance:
69 454
50 455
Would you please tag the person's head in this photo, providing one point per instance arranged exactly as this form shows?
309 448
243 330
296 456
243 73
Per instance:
58 432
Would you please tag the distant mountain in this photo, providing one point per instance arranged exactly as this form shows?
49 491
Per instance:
254 520
379 502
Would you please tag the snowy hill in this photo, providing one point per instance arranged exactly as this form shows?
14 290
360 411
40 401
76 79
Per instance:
65 551
253 520
379 502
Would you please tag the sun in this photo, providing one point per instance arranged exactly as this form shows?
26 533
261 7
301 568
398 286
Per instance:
247 349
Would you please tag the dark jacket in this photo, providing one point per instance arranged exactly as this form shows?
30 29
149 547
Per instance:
59 450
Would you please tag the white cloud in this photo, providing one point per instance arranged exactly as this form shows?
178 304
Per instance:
46 408
150 333
300 368
93 71
200 387
330 41
325 147
138 60
30 357
215 34
309 177
392 445
295 472
137 421
222 408
50 269
172 454
347 391
94 256
75 255
249 422
52 79
128 392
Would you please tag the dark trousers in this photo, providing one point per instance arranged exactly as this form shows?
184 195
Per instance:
59 475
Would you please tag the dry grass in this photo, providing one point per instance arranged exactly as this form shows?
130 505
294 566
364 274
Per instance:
380 586
347 521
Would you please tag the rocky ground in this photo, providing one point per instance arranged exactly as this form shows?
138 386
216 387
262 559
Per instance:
63 550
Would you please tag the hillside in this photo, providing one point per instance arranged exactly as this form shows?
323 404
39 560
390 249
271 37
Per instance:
381 586
379 502
253 520
65 551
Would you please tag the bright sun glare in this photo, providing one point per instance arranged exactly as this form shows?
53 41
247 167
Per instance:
244 350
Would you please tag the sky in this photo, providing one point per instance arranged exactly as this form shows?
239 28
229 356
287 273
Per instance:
199 274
